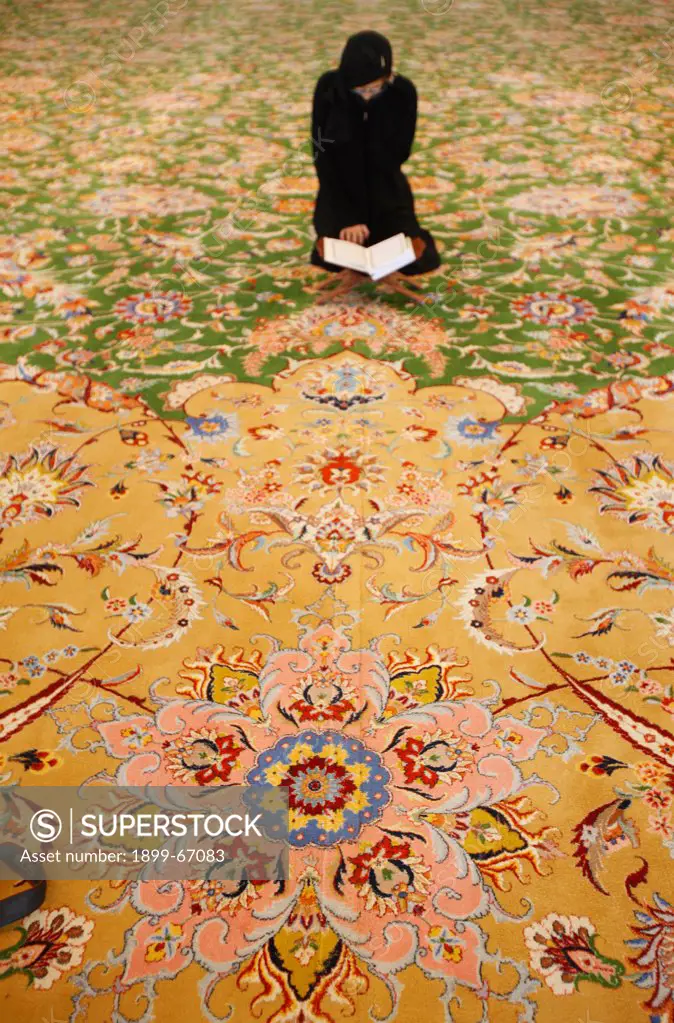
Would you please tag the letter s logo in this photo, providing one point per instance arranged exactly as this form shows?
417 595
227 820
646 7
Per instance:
45 825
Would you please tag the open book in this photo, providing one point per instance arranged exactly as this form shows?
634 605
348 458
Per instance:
376 260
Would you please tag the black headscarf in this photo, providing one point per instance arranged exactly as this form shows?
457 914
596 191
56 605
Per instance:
366 57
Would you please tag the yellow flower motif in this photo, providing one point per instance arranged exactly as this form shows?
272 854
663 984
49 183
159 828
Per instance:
359 773
509 739
358 801
337 754
159 947
300 752
155 952
276 773
445 945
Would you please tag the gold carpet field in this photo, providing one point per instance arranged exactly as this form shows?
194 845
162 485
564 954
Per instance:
412 562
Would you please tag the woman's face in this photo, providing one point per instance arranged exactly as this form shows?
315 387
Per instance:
372 89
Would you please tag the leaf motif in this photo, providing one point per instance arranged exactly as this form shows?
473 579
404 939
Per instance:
577 569
94 531
636 878
445 523
90 563
527 680
224 620
658 561
5 614
602 622
53 424
600 834
15 558
582 537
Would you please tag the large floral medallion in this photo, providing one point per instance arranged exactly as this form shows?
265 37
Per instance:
335 786
392 799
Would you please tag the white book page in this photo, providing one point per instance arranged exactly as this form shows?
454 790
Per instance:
347 254
391 254
388 251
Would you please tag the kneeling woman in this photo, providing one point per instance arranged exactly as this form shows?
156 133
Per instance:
364 118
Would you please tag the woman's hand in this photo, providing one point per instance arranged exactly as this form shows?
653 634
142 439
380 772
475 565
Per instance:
357 233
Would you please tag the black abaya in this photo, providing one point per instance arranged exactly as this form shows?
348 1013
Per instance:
359 148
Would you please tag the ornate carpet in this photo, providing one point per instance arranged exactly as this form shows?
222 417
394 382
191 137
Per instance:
421 554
